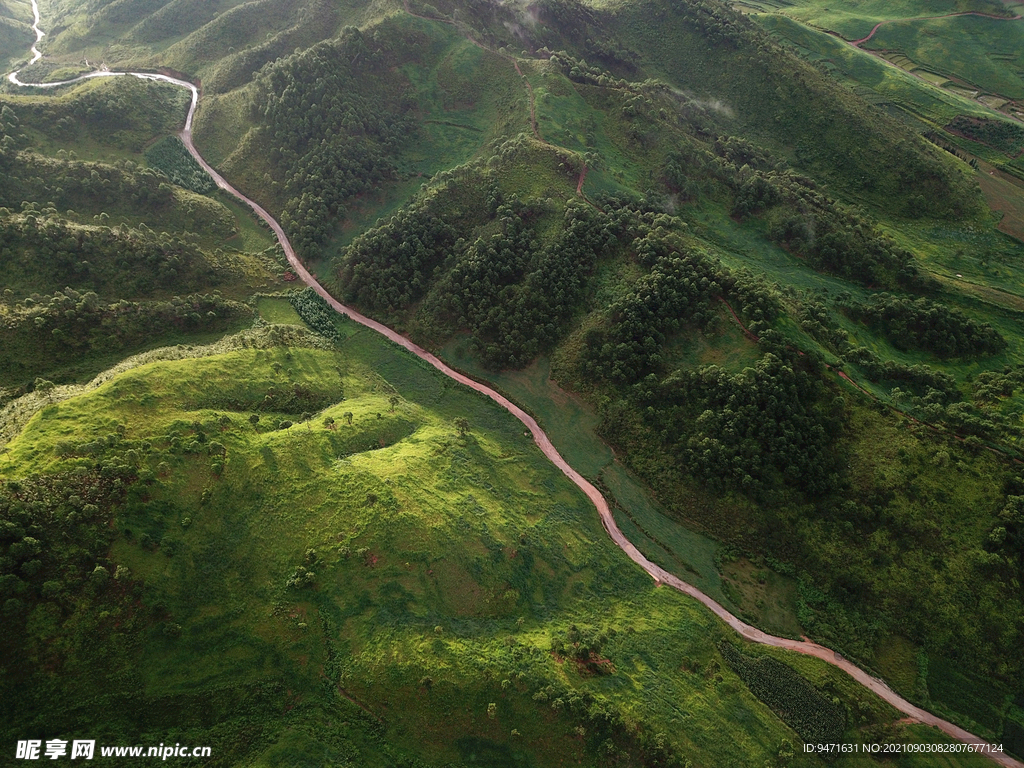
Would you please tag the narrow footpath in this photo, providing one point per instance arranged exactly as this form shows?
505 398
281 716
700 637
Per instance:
659 574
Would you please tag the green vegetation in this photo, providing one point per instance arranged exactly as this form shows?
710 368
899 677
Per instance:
170 156
951 79
192 545
817 719
691 221
488 251
42 140
70 335
278 311
853 23
104 258
47 253
1006 137
15 32
115 117
933 327
351 99
982 52
315 312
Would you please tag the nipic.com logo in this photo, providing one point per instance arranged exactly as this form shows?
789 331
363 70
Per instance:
55 748
81 749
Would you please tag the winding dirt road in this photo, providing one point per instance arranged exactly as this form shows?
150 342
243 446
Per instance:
659 574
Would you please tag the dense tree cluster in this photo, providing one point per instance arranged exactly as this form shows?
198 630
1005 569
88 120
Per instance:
315 312
765 428
388 268
40 252
1007 535
55 530
9 136
928 394
83 186
753 296
44 332
171 158
516 294
334 120
513 289
991 386
816 320
678 291
929 326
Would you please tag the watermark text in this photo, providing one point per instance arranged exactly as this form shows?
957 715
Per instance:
81 749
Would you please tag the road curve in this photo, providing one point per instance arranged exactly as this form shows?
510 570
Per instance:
659 574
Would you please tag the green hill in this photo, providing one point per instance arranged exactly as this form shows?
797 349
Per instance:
15 33
370 584
784 304
104 254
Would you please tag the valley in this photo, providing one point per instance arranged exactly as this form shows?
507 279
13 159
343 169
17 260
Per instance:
682 252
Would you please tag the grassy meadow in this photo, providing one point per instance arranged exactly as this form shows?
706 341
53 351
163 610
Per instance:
855 20
15 32
979 51
352 557
933 72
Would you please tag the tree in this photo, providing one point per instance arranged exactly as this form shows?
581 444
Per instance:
99 577
462 424
254 419
328 422
46 387
348 417
394 400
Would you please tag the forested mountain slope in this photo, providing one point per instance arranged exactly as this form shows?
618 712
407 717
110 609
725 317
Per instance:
790 312
104 252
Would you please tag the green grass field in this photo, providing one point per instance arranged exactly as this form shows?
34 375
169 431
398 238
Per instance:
855 20
278 311
443 566
15 32
979 51
871 77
